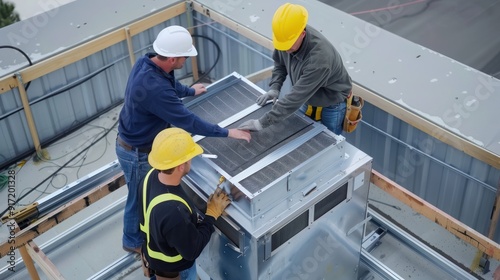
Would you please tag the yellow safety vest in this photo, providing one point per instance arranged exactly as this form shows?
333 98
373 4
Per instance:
147 212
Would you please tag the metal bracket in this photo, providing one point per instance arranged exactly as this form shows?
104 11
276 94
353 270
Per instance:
372 239
358 225
267 246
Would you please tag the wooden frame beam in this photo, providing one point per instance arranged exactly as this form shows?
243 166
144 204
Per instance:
428 127
28 261
260 75
62 213
28 114
43 261
84 50
457 228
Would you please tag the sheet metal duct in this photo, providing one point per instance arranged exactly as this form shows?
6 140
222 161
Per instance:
299 193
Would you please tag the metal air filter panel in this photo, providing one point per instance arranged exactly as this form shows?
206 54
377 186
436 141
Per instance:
223 100
276 165
268 174
235 156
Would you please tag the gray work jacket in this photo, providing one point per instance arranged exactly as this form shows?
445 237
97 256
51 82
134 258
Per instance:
317 74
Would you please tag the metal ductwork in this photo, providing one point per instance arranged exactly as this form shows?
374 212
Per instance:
299 193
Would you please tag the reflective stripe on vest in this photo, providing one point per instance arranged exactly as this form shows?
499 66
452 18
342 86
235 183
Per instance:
147 212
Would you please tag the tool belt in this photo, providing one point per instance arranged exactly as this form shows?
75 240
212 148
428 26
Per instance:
314 112
160 275
353 113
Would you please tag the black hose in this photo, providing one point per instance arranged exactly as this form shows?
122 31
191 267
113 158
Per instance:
57 92
24 54
61 167
216 60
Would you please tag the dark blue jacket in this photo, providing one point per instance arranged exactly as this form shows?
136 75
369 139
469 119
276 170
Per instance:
152 103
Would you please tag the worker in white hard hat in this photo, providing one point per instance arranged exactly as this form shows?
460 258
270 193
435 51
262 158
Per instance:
152 103
320 82
175 231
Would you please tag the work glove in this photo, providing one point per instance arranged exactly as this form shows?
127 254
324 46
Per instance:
217 202
271 94
252 125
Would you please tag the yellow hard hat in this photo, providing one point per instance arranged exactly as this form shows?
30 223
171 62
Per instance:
172 147
288 23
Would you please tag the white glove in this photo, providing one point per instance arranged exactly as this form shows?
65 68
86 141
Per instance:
271 94
252 125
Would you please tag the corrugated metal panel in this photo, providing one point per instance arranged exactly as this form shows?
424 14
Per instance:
64 99
70 96
453 181
238 53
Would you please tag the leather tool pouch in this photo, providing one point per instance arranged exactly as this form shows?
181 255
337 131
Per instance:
353 114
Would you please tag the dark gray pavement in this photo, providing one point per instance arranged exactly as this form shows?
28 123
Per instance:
467 31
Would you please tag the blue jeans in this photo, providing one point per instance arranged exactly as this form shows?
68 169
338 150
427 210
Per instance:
190 273
332 116
135 166
187 274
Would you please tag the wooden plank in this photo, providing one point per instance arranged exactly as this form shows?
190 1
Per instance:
7 83
62 213
130 47
495 214
28 261
29 115
194 61
84 50
71 56
428 127
260 75
439 217
43 261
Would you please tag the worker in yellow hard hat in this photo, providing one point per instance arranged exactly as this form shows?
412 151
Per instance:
174 230
320 82
152 102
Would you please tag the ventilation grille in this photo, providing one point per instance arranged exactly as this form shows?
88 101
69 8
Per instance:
288 162
290 230
223 101
235 156
329 202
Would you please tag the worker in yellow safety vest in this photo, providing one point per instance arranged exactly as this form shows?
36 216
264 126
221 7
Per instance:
174 230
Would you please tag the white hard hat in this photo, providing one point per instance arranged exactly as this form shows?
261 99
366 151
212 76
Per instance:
174 41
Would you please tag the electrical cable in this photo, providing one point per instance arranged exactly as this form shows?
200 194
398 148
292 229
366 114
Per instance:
60 168
24 54
57 92
51 160
49 184
4 180
62 134
219 52
387 8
